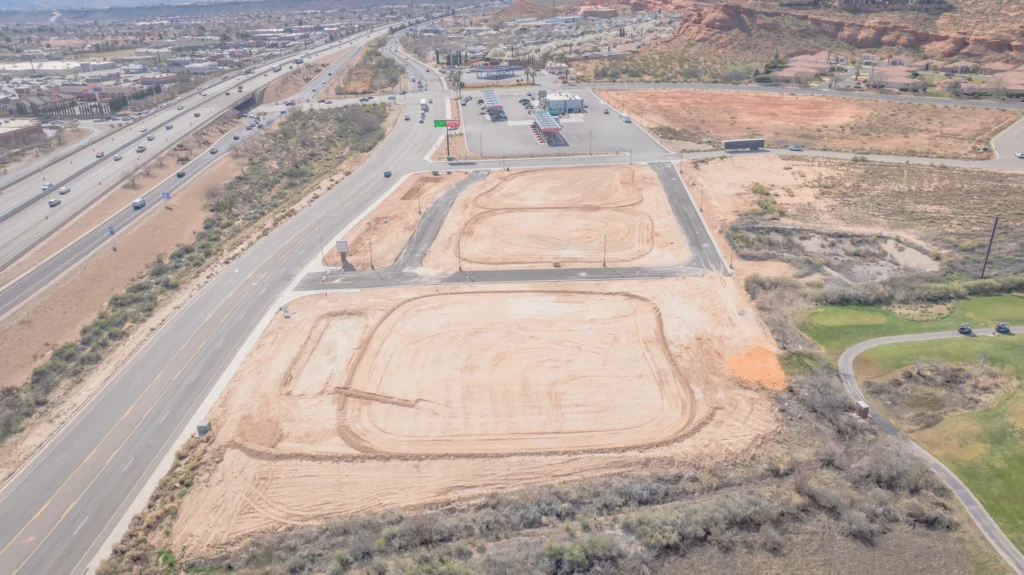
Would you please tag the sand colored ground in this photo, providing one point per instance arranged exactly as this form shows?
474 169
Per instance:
288 85
829 123
390 224
57 315
416 395
564 217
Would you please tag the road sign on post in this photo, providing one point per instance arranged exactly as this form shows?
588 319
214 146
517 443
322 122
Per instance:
440 123
166 195
342 246
452 124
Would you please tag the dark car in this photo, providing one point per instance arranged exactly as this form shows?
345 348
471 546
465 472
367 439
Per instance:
387 173
181 174
964 329
235 137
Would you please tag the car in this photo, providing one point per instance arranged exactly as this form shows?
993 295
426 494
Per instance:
202 93
430 101
139 203
387 173
213 151
150 138
181 107
1003 327
63 190
117 157
606 111
249 127
407 117
169 127
264 73
196 114
321 101
1020 155
403 92
235 137
421 119
323 81
529 94
139 149
47 186
227 93
796 148
143 129
54 202
181 174
964 329
329 102
391 97
99 154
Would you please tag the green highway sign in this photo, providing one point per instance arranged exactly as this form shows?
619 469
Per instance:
440 123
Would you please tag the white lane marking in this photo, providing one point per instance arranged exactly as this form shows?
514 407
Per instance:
164 417
219 343
75 532
263 290
129 464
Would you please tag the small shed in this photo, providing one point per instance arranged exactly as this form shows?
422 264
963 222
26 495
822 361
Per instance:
862 409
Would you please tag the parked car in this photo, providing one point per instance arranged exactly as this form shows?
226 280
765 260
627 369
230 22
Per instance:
139 203
421 119
796 148
54 202
64 190
1020 155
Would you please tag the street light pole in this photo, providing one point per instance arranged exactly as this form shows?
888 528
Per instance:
989 250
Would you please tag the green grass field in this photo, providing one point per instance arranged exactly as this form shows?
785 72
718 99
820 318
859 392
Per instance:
836 328
985 449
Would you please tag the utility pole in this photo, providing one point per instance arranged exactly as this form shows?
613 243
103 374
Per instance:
323 259
604 254
371 255
989 250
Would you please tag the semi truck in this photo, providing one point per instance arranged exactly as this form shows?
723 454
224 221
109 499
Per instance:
747 144
423 105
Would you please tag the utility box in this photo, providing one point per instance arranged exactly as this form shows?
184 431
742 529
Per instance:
863 410
203 428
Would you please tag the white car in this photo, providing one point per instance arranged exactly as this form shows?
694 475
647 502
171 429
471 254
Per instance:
63 190
181 107
47 186
117 157
150 138
1020 155
143 129
139 203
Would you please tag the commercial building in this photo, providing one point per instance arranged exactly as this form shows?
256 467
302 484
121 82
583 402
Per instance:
26 69
563 102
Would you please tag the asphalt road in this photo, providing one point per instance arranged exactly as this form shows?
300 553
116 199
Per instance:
40 276
60 508
25 217
984 521
97 131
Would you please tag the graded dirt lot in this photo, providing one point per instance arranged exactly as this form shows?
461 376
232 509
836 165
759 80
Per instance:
390 224
288 85
570 217
822 122
416 395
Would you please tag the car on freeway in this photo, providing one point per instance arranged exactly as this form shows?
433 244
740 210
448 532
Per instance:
421 119
64 190
407 117
150 138
196 114
249 127
99 154
181 107
227 93
213 151
235 137
387 173
47 186
143 129
1020 155
139 149
139 203
329 102
117 157
181 174
796 148
169 127
54 202
202 93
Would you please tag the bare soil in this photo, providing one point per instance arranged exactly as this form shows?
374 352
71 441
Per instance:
58 314
288 85
408 396
389 226
823 122
570 217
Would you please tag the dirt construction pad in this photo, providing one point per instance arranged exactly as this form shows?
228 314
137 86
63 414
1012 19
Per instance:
564 218
418 395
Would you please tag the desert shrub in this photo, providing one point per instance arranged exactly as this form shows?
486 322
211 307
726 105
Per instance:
582 556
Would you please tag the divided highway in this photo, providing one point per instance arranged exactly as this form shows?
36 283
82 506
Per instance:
60 508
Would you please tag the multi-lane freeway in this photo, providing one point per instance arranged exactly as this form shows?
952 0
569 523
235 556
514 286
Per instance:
24 211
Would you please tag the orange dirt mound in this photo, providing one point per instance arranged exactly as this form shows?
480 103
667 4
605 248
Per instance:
758 366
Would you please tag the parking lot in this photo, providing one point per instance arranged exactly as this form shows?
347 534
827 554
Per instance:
592 132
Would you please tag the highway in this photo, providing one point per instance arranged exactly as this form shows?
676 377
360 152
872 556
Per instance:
977 512
60 508
25 217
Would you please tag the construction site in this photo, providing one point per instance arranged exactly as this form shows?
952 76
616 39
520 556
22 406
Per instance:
414 395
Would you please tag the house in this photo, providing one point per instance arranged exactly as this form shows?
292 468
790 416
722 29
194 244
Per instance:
895 77
868 58
958 67
1006 84
995 67
922 65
